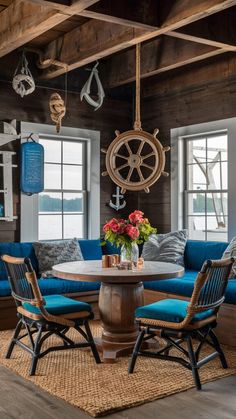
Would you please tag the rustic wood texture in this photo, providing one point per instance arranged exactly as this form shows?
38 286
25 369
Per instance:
181 99
34 108
23 21
120 294
97 39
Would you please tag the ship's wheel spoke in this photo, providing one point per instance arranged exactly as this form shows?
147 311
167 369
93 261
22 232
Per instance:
140 174
140 147
148 155
121 156
148 166
128 148
129 174
121 167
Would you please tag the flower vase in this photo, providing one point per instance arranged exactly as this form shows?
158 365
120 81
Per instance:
129 256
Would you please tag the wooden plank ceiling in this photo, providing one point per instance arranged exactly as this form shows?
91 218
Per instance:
78 32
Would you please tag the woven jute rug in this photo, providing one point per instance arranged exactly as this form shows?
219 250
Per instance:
101 389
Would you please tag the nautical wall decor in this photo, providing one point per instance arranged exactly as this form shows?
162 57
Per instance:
58 109
32 167
6 194
85 92
8 132
118 196
135 159
23 82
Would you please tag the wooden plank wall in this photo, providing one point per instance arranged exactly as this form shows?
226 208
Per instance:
114 114
200 93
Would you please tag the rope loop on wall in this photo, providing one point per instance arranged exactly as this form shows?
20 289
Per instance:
23 82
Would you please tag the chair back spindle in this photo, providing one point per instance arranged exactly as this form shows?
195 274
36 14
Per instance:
16 270
209 290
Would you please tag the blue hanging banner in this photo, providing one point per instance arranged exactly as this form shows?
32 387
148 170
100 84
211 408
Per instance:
32 167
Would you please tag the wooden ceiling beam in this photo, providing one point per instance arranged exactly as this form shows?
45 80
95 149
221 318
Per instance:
217 30
67 7
157 56
97 39
23 21
133 13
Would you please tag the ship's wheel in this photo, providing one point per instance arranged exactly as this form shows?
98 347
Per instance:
135 160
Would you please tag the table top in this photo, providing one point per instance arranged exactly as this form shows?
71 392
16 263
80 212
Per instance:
92 271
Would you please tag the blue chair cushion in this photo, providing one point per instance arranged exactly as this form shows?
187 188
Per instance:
197 251
170 310
57 305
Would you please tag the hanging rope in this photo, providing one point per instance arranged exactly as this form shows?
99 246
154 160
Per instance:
137 122
57 109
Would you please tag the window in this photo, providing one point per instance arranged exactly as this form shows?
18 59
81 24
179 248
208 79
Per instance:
206 186
62 205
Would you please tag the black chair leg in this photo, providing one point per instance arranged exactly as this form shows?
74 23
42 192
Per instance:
218 348
92 343
193 363
14 339
135 352
36 352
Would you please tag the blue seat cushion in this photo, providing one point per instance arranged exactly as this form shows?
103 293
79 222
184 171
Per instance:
57 304
49 286
184 286
180 286
170 310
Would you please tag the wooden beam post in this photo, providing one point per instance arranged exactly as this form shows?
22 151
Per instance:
24 20
96 39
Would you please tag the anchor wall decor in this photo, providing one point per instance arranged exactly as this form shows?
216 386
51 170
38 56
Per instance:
117 206
85 92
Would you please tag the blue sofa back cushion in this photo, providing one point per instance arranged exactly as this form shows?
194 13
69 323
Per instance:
20 250
91 250
196 252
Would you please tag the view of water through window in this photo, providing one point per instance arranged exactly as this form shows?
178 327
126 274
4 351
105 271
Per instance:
62 203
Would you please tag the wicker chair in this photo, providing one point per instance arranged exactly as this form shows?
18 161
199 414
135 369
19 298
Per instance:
52 314
179 321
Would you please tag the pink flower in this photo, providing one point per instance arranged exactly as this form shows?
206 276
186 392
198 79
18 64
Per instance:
136 217
106 228
132 232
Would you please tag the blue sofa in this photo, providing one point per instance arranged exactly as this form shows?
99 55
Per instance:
196 252
91 250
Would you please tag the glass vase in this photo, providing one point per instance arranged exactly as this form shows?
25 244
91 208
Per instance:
129 256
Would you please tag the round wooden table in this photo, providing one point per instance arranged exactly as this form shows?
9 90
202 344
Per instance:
121 292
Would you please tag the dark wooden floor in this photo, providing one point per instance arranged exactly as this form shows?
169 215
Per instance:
19 399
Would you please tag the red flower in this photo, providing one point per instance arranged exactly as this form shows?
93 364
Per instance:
132 232
136 217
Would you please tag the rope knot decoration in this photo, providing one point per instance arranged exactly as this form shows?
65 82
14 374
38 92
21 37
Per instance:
23 82
57 109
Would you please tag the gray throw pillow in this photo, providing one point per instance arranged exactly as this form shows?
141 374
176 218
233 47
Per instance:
166 247
231 251
52 253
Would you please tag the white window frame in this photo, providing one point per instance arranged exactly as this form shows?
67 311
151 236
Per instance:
29 204
178 136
